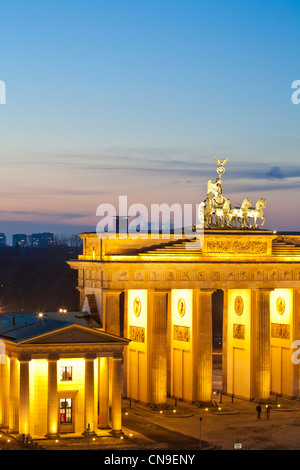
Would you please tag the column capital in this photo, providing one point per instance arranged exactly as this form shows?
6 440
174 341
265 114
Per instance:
53 357
118 356
207 291
24 358
264 290
90 356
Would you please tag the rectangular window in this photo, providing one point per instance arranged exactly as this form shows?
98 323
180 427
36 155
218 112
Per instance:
65 410
66 373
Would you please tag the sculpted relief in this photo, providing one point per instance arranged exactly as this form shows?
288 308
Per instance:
237 246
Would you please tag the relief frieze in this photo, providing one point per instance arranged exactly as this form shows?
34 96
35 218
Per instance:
181 333
279 330
238 331
137 334
237 246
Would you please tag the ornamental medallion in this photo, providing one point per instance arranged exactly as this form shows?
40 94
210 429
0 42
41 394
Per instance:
181 306
239 305
137 306
280 305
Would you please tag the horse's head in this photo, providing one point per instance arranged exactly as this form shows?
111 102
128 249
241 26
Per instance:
261 203
246 202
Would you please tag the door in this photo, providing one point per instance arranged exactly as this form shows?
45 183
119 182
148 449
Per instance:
66 415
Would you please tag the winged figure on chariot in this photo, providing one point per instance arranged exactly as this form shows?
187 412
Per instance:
218 210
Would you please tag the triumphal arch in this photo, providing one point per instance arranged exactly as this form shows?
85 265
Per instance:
158 293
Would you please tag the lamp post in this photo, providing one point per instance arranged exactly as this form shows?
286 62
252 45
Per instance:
200 444
88 434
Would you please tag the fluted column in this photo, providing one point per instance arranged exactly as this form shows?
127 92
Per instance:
4 395
262 347
24 412
52 424
113 312
203 336
116 411
157 340
14 396
89 402
103 392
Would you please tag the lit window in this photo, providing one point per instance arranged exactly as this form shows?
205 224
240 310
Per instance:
66 373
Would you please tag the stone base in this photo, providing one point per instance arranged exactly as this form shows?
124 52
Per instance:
90 434
205 404
50 435
104 427
160 406
116 433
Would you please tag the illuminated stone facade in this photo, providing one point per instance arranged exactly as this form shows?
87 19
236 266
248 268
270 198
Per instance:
58 377
158 293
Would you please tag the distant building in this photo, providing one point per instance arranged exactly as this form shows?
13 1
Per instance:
19 239
2 239
42 239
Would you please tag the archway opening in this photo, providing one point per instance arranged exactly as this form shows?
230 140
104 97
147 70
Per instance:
217 320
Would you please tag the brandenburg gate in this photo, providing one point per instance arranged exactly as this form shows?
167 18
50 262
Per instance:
158 293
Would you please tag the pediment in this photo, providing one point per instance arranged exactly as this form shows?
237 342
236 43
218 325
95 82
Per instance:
75 334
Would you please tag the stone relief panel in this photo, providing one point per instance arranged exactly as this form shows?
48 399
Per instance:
215 276
238 331
181 333
237 246
155 276
170 276
123 276
201 276
139 276
230 276
186 276
137 334
280 331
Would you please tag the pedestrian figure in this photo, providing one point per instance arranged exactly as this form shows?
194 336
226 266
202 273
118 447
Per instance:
268 411
258 409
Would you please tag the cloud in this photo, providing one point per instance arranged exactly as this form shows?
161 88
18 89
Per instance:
275 173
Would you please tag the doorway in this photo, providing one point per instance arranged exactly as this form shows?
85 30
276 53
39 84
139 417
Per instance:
217 327
66 422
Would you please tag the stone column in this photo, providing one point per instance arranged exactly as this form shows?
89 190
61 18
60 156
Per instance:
116 412
157 344
14 396
103 388
203 337
89 402
261 345
24 412
125 352
52 425
113 312
4 392
1 395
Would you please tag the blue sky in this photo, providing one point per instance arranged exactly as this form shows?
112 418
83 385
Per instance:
106 98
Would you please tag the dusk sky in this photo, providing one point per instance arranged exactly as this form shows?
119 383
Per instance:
136 98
